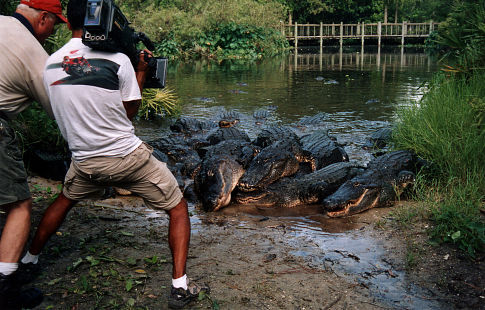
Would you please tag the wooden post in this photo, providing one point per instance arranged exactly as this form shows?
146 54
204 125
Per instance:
358 29
321 37
333 30
340 58
341 34
403 33
363 33
283 28
379 30
296 35
430 27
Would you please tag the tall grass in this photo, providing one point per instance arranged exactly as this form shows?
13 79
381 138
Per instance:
447 129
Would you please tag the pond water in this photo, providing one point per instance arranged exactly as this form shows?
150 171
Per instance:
358 92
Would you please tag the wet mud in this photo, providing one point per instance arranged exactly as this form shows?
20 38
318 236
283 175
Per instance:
113 254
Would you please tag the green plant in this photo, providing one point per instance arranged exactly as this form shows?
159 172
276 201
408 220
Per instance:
167 48
7 7
162 102
36 129
178 27
60 37
446 128
462 36
457 219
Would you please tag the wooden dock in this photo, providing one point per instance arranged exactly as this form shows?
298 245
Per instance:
400 31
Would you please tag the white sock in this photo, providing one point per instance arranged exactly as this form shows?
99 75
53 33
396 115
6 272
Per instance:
8 268
180 282
30 258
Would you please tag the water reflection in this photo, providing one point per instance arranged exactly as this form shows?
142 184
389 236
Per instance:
354 59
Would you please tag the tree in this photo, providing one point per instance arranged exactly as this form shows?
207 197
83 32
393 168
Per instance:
7 7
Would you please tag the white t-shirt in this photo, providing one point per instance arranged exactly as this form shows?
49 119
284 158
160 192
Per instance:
87 89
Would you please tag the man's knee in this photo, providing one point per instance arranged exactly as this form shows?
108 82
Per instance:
19 206
181 209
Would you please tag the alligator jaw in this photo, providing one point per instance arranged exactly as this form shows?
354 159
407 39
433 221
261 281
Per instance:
364 202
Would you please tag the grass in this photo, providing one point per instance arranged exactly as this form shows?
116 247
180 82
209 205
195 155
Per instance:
446 128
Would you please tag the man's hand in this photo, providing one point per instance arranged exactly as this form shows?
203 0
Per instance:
142 67
143 60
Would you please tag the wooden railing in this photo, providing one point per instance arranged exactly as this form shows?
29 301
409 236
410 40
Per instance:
360 31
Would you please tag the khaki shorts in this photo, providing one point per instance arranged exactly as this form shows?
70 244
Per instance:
138 172
13 177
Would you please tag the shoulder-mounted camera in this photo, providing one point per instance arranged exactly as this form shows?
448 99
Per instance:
107 29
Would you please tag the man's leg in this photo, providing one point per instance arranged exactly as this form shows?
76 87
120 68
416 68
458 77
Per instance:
16 231
51 221
14 236
179 237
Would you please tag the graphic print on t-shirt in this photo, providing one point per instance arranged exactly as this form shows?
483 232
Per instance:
94 72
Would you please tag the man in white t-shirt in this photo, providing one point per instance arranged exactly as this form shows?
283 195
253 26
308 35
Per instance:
94 96
21 67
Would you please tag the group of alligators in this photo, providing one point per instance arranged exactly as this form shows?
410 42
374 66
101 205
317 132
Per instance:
217 164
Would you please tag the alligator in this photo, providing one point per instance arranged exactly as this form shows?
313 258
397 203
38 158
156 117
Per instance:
383 181
221 168
179 154
273 134
325 150
187 125
378 139
307 189
227 133
274 162
310 123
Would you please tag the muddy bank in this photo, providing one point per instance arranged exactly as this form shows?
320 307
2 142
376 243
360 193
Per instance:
113 254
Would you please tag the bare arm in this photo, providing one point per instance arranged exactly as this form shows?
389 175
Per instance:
131 107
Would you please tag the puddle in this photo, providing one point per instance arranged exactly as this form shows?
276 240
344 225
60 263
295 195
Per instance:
359 256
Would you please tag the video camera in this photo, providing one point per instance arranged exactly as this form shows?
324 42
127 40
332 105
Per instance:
107 29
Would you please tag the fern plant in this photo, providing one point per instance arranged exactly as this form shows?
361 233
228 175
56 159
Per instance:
161 102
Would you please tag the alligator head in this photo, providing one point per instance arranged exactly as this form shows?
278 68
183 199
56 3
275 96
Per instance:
356 195
216 180
350 199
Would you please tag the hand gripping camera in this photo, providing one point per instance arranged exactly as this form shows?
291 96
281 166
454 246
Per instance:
107 29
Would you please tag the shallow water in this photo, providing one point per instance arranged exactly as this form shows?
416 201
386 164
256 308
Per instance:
358 93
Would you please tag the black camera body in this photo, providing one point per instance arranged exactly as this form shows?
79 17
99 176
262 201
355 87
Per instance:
107 29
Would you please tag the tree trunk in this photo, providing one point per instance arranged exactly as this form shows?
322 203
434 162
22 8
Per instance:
385 14
395 13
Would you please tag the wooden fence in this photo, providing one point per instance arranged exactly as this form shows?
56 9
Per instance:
360 31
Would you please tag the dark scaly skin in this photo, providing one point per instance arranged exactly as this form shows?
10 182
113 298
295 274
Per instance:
307 189
382 182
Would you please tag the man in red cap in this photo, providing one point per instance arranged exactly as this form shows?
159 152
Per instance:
22 62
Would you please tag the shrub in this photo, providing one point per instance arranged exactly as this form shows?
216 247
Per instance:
183 29
463 36
36 130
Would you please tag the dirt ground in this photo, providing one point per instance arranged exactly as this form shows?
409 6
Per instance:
113 254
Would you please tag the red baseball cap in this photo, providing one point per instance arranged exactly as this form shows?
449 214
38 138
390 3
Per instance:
52 6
